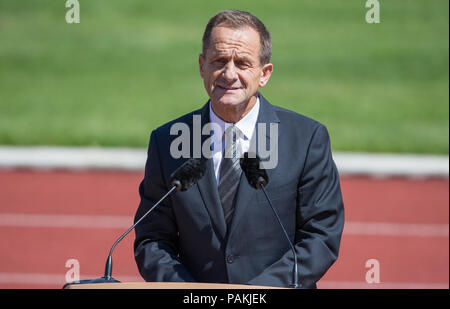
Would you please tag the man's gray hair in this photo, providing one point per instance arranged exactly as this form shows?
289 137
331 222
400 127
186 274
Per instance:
238 19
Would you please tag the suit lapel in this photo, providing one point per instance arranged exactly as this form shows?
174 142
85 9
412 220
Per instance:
208 188
246 193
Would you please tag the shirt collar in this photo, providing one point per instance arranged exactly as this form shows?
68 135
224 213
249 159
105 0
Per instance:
246 125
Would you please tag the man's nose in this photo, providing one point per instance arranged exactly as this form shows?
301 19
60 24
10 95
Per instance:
229 73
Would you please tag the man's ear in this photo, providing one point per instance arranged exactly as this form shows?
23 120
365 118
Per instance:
201 62
266 72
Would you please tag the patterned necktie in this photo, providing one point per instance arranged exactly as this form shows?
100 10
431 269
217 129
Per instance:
229 174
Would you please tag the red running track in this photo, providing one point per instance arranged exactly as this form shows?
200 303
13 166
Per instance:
49 217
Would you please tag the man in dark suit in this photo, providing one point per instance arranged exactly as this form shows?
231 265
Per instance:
222 229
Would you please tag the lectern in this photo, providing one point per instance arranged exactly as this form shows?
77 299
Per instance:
166 285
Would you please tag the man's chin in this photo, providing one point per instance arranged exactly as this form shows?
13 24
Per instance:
229 101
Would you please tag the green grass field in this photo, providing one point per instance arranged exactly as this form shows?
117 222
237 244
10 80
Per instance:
130 66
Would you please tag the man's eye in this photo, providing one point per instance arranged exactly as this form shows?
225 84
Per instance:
242 65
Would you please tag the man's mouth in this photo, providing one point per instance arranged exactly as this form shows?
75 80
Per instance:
228 88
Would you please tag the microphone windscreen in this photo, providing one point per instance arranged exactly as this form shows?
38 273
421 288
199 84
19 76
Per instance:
256 176
188 173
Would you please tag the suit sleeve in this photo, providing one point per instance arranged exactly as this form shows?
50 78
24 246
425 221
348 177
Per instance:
320 219
156 243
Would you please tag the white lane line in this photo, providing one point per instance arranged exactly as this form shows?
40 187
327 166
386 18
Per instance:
122 222
381 285
348 163
385 164
65 221
396 229
43 157
53 279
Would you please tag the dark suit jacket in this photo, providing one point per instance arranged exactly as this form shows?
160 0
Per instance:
185 238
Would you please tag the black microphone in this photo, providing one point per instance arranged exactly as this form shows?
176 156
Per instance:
258 179
182 179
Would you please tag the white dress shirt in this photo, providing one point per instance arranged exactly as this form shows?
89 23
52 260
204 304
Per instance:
246 128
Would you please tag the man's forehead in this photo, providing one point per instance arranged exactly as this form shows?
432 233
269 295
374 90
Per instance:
226 50
225 39
245 33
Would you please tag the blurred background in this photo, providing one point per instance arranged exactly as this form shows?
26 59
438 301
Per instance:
130 66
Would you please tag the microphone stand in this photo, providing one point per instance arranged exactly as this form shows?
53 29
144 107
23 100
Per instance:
184 177
107 278
261 183
108 266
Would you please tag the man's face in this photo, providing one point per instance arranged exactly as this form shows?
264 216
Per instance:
231 68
